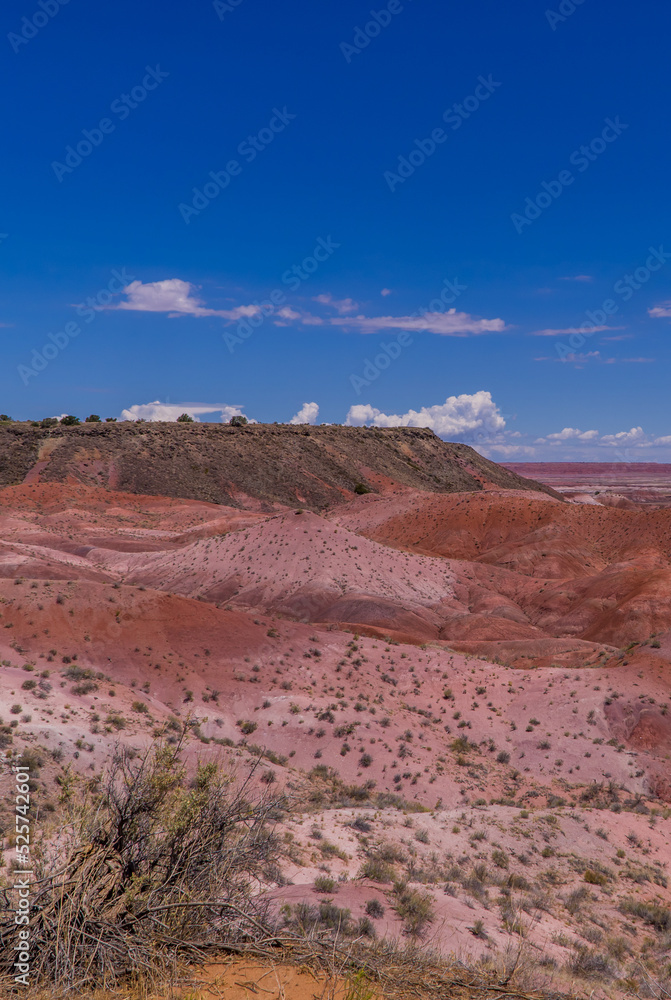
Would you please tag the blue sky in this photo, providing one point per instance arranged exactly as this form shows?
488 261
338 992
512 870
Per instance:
255 206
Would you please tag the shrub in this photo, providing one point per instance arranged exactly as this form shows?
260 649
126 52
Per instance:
92 419
415 908
76 673
591 964
184 418
375 909
324 883
595 878
310 918
87 687
658 917
377 870
116 721
246 726
365 928
153 843
330 850
238 420
575 899
503 757
69 420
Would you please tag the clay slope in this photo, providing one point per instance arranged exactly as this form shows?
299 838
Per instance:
262 467
304 567
580 572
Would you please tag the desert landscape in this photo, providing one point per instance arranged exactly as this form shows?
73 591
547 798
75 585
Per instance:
450 682
609 483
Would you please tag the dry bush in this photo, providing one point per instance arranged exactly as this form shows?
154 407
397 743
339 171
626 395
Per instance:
153 866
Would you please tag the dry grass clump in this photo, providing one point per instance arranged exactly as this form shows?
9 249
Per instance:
417 973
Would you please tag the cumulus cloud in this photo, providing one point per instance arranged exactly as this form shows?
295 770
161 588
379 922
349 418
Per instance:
341 306
175 297
571 444
662 311
568 434
307 414
446 324
463 417
508 451
170 411
635 436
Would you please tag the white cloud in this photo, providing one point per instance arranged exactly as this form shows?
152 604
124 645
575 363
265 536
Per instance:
177 298
385 292
570 434
662 311
507 450
447 324
307 414
587 329
341 306
285 316
580 360
635 436
170 411
462 417
571 444
578 277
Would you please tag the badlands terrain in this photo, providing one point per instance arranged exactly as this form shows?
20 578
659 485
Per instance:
610 483
460 677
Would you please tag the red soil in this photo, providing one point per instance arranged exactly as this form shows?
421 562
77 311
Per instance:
492 619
